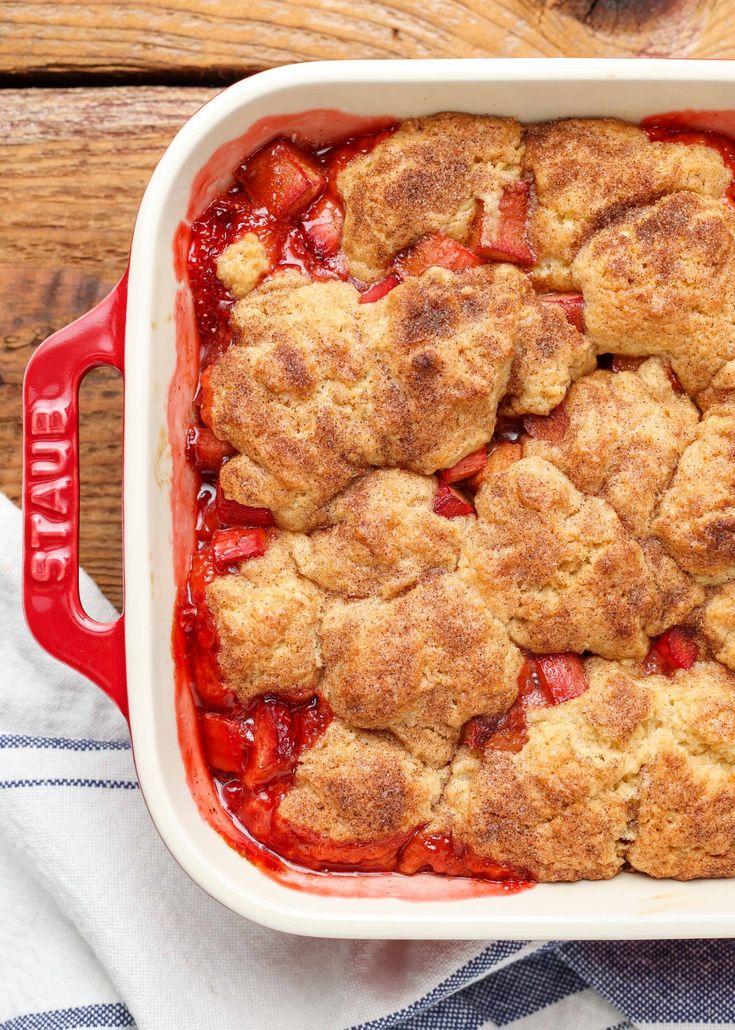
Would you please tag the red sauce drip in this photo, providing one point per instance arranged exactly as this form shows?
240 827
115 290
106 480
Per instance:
260 744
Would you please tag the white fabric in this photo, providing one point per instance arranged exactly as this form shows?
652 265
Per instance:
92 908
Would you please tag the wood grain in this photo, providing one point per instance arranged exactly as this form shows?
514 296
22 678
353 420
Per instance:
223 39
75 163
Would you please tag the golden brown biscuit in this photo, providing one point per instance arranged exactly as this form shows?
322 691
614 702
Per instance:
443 346
550 354
659 281
557 567
637 770
267 618
360 787
381 535
625 434
318 387
696 517
419 665
719 624
242 265
424 178
561 807
588 171
685 803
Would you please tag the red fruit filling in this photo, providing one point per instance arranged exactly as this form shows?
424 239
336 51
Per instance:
323 226
551 427
224 741
675 649
436 249
204 450
281 179
502 235
544 681
450 503
230 546
380 288
231 513
572 304
465 468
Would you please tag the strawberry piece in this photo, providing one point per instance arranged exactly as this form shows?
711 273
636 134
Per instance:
562 675
204 450
232 513
223 740
551 427
323 227
503 235
230 546
572 304
282 179
436 249
273 752
674 649
450 503
466 467
380 288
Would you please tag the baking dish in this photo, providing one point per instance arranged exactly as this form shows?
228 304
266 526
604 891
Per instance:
137 329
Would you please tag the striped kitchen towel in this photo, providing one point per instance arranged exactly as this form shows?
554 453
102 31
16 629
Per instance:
100 928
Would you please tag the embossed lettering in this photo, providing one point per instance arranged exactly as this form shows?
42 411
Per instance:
54 496
50 567
44 531
49 457
49 421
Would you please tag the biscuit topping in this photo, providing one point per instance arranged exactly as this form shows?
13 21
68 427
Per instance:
462 598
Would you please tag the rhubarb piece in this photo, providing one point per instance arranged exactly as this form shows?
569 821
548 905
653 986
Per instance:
510 731
231 546
562 675
572 304
674 649
323 227
232 513
282 179
551 427
450 503
274 751
501 455
503 235
380 288
223 740
204 450
436 249
465 468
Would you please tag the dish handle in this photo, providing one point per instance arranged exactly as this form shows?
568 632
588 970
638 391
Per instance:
53 608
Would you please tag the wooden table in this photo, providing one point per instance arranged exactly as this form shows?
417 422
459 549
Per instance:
94 91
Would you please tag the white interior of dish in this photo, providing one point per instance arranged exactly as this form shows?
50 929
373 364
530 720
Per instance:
629 906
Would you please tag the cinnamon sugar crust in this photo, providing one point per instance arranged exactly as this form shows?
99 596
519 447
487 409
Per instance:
589 171
637 771
360 787
424 178
659 282
593 531
412 380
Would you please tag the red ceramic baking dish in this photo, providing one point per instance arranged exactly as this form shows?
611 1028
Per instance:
144 328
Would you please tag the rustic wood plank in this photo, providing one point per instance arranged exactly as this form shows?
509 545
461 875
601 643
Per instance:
75 163
220 38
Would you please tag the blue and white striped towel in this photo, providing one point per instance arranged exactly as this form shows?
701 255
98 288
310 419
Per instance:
100 928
